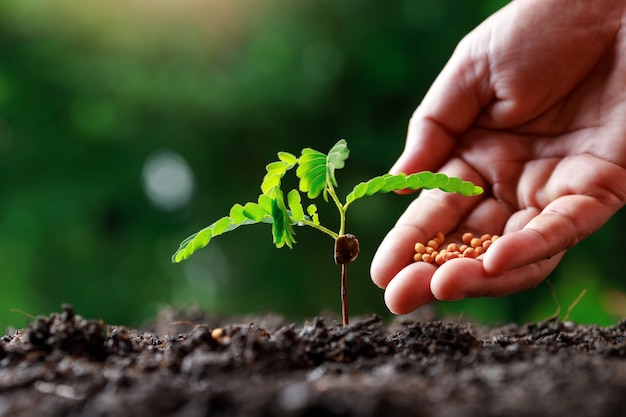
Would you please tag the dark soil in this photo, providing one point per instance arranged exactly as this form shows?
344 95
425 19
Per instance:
65 365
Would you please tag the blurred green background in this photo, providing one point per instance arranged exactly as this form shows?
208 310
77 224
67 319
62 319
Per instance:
127 125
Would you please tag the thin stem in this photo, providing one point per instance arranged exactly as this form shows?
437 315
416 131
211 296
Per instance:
320 228
340 207
344 294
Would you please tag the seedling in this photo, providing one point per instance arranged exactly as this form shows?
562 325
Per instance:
316 172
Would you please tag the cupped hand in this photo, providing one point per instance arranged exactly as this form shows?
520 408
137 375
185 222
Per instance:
531 106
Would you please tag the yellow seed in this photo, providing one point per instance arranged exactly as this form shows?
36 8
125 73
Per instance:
451 255
471 247
453 247
433 244
217 333
420 248
469 253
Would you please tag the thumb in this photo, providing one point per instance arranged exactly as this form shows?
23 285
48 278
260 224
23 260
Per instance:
449 108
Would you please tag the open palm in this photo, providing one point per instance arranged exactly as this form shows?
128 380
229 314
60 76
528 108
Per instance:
532 106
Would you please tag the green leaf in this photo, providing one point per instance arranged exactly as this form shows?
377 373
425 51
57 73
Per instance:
312 211
282 231
202 238
236 213
277 168
336 159
221 225
288 158
393 182
295 205
359 191
254 212
441 180
265 202
424 179
374 185
317 170
469 189
453 184
270 181
388 182
312 172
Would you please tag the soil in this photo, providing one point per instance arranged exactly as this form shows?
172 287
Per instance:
66 365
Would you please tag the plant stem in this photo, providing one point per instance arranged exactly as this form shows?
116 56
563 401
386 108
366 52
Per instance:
346 251
320 228
344 294
340 207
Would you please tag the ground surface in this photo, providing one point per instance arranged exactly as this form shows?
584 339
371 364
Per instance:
65 365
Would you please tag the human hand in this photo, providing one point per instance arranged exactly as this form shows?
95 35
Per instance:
531 106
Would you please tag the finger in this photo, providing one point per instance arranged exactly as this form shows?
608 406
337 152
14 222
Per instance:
428 144
410 289
563 223
395 252
465 278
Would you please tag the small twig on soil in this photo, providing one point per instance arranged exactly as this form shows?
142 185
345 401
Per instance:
576 301
555 315
25 314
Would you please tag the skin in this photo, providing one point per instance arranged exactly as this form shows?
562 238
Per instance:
532 107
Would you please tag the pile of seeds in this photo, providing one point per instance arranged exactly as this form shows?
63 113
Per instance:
471 247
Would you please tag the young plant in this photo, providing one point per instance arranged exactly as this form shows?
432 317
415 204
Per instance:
316 172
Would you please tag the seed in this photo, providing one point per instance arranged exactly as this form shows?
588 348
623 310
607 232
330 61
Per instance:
346 249
469 253
420 248
453 247
451 255
471 247
217 333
